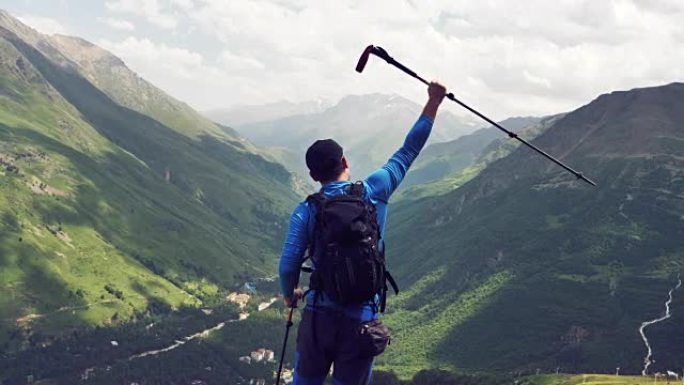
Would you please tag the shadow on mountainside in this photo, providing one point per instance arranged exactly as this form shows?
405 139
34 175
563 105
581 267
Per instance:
587 266
199 223
163 149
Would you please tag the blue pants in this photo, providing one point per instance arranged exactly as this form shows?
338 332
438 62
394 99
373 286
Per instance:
329 337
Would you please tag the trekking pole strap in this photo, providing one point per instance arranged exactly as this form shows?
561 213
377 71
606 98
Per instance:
381 53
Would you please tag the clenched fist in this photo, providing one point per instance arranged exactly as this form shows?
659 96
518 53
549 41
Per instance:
436 92
292 301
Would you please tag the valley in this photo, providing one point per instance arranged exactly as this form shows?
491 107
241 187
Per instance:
92 192
139 240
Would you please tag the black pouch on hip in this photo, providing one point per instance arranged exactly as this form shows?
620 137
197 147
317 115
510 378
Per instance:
373 337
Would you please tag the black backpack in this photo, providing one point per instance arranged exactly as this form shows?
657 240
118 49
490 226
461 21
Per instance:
350 267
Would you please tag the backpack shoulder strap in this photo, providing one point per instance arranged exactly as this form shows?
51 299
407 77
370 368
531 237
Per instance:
392 282
317 199
356 189
383 295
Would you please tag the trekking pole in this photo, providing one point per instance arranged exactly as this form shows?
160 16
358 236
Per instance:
381 53
287 334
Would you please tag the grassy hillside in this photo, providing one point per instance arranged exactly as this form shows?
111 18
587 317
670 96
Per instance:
524 267
447 166
439 160
105 210
589 379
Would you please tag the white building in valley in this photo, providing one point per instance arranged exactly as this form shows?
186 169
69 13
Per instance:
257 356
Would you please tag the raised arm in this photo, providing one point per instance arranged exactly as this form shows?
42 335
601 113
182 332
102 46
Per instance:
436 94
294 248
384 181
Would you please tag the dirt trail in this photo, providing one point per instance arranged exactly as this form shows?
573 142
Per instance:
181 342
204 333
34 316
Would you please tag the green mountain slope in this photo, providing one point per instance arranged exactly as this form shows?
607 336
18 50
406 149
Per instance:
105 210
441 159
524 267
450 165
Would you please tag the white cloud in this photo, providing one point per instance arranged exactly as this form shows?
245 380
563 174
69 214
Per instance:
151 10
232 62
186 74
184 4
120 24
503 57
44 25
168 63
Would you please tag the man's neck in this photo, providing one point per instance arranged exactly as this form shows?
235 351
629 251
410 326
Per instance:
334 181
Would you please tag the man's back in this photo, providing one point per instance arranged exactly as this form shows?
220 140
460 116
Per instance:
330 332
378 188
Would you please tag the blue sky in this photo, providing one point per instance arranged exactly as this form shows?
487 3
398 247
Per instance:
505 57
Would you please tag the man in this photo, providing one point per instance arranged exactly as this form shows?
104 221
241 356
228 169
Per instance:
326 332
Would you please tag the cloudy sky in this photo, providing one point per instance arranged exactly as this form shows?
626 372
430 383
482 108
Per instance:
504 57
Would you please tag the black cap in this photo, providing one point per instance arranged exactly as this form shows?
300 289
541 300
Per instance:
324 159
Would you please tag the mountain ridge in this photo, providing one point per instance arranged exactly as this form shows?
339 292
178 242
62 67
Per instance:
111 212
239 115
109 215
439 160
370 127
539 270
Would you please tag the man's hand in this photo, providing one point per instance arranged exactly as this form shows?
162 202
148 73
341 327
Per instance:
436 94
292 301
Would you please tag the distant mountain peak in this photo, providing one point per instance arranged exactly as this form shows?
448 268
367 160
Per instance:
376 98
15 26
240 115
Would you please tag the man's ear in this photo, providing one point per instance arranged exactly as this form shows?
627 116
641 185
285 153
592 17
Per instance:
345 162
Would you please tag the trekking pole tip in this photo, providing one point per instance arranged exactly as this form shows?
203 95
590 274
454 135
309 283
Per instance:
581 176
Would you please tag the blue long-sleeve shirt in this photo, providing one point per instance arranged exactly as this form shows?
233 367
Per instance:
379 186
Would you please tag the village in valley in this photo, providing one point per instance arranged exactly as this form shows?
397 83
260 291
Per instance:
264 356
260 356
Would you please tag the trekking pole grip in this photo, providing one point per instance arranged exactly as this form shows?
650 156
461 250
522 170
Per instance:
289 317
